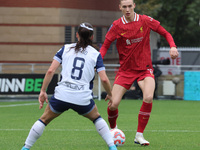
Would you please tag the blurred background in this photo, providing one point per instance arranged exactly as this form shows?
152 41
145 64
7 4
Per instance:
32 31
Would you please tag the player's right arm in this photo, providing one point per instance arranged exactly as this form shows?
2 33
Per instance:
105 47
47 79
110 37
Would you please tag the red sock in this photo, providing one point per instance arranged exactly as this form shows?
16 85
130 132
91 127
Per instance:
112 117
143 116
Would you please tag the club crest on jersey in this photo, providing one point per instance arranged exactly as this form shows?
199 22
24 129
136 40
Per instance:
141 29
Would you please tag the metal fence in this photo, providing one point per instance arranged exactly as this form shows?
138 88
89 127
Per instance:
174 90
111 69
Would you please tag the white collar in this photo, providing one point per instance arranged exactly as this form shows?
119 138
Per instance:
136 18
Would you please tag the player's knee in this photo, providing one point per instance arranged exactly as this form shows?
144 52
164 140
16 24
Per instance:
113 107
148 99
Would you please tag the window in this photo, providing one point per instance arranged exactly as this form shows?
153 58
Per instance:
76 30
99 35
68 35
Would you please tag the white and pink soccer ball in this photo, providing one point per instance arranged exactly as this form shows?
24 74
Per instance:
118 136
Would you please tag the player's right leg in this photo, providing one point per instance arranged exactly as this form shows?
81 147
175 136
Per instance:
117 94
38 127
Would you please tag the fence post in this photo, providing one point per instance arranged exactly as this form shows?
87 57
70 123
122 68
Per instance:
32 68
99 88
0 68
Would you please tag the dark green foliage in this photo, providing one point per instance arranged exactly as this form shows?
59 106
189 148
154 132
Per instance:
181 18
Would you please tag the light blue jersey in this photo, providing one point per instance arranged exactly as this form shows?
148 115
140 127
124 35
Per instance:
77 75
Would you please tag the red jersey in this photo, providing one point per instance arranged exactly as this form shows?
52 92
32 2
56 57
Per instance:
133 42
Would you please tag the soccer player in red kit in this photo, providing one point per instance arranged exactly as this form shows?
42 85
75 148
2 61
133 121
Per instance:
132 32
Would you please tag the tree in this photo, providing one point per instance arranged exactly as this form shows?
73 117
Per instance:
148 7
181 18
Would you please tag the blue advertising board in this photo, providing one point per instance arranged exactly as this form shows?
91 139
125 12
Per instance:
192 85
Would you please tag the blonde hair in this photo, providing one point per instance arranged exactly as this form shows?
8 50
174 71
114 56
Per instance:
122 0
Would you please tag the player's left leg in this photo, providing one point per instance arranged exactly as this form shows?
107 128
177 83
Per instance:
101 127
38 127
147 86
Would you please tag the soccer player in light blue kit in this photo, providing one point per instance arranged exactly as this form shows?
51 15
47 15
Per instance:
74 91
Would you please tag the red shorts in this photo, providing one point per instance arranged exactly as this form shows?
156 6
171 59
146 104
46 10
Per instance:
126 79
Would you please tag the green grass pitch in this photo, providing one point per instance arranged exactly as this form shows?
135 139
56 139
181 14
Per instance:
173 125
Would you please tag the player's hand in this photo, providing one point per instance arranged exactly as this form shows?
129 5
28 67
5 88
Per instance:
42 97
173 52
108 97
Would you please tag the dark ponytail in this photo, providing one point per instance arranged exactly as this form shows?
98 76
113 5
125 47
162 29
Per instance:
85 32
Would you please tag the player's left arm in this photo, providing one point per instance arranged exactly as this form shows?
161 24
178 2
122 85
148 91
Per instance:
173 49
107 86
100 68
155 26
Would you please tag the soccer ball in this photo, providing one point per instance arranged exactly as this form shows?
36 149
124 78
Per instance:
118 136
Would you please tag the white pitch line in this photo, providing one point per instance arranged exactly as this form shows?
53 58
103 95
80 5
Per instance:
15 105
179 131
92 130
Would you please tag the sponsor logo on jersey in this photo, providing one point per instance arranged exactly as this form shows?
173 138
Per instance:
137 40
74 86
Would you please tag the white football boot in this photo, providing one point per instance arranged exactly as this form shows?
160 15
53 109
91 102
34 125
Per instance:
139 139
